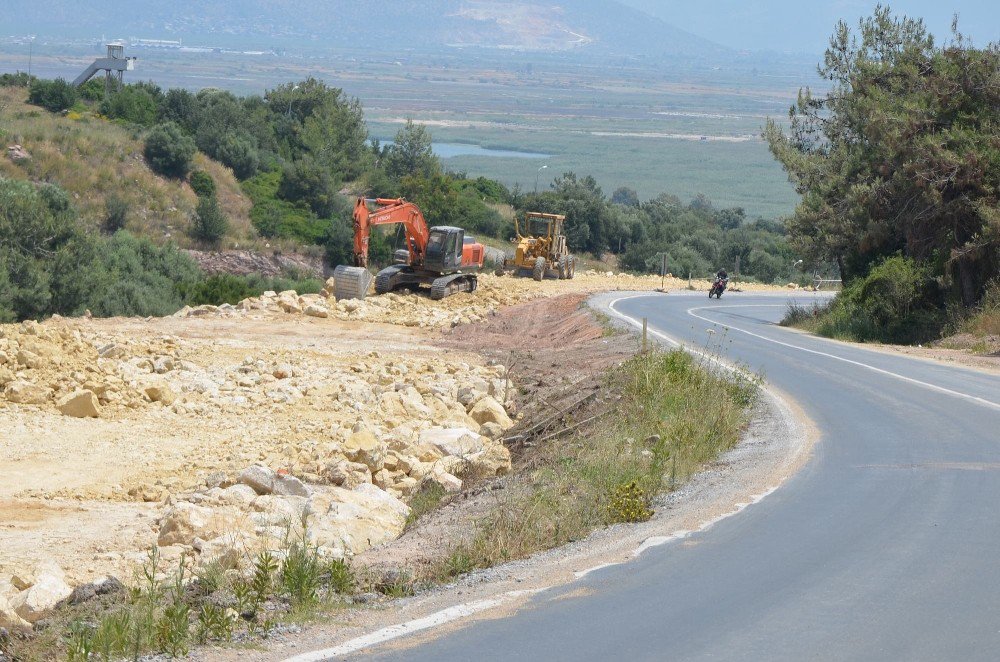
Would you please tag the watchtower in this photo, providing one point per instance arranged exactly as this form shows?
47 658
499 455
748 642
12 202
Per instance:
114 66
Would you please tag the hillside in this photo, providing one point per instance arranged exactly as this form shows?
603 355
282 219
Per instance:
599 26
93 159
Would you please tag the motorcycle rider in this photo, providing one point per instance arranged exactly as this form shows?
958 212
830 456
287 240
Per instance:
721 281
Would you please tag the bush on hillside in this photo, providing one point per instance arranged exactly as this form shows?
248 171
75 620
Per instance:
132 103
140 278
218 289
202 184
54 95
18 79
169 151
209 225
240 155
115 215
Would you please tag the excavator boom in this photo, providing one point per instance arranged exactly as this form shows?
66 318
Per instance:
389 212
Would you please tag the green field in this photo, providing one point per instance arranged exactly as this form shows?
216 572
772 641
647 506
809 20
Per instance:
731 174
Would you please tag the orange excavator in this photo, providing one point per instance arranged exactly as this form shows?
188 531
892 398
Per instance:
443 257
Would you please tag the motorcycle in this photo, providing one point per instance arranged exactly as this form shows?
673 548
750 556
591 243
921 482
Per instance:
718 287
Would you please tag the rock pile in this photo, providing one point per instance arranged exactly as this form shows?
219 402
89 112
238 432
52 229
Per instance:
357 501
80 374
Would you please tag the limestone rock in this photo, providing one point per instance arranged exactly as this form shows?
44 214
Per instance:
449 482
453 441
348 474
364 448
239 495
27 393
314 310
351 521
226 551
48 590
161 393
488 410
493 461
9 619
80 404
29 359
285 485
259 477
187 521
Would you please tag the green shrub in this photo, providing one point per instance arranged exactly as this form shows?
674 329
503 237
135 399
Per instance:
308 182
220 288
139 278
209 225
240 154
115 215
169 151
275 217
18 79
202 184
897 302
54 95
135 104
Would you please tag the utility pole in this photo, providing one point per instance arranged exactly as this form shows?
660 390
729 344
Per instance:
31 46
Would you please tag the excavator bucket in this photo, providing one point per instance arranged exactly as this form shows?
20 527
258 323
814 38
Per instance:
351 282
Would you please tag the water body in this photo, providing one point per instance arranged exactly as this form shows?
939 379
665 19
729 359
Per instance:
448 150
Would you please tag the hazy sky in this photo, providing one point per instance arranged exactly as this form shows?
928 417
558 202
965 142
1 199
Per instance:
806 25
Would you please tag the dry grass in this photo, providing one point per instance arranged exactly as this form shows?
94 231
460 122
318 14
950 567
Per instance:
674 416
92 158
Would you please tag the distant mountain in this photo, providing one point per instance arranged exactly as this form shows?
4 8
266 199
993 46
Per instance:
596 26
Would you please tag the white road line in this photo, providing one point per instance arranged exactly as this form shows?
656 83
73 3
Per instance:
934 387
691 311
403 629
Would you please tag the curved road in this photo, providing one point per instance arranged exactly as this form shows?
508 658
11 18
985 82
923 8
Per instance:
886 546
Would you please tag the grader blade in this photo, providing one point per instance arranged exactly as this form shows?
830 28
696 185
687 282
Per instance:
351 282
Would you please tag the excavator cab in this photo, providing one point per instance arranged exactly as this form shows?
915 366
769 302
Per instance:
444 249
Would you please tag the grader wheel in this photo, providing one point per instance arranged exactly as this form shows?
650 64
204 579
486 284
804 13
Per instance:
565 267
538 273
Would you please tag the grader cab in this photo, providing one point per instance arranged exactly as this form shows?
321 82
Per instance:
541 248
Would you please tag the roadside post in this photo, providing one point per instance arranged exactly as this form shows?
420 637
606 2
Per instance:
663 271
645 343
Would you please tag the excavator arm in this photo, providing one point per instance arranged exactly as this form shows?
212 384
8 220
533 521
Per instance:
389 212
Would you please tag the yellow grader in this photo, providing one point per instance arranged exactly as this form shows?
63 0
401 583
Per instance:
541 249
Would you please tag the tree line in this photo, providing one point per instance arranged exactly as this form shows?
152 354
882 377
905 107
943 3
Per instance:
898 165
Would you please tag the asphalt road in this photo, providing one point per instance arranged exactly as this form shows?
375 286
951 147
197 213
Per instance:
886 546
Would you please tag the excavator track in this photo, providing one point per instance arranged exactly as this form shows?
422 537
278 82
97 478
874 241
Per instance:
385 281
445 286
